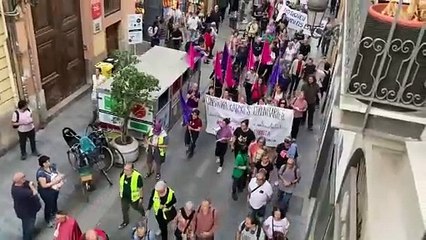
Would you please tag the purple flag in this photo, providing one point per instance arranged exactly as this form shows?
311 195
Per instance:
276 71
225 56
186 111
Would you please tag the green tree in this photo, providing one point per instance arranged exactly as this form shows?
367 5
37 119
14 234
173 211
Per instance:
130 87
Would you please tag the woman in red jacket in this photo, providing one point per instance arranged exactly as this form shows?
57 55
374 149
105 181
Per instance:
258 90
208 41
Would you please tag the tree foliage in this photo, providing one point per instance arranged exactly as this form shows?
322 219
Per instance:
130 87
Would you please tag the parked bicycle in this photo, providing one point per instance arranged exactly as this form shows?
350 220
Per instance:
85 156
103 137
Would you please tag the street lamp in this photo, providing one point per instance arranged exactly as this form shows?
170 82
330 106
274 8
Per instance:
316 14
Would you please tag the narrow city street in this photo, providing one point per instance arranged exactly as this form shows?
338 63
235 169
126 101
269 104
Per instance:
192 179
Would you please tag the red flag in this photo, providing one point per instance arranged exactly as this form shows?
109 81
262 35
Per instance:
229 78
190 57
250 63
218 68
266 53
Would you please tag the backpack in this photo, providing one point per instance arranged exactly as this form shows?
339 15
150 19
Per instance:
258 231
151 31
284 167
16 112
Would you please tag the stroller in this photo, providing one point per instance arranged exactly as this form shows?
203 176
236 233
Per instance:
80 146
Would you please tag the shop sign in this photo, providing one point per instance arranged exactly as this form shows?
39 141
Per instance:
135 29
96 15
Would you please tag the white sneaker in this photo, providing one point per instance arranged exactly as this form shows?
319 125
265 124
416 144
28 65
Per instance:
276 183
219 170
217 160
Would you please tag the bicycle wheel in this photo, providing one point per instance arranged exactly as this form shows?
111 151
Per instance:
107 177
72 159
118 157
105 159
84 191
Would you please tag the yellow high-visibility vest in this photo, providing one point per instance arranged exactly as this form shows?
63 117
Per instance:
134 191
157 202
161 141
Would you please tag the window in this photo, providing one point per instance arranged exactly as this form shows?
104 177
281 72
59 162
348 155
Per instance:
111 6
163 100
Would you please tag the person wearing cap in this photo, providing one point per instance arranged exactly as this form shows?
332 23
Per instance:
26 203
157 141
131 193
192 131
141 232
162 202
49 182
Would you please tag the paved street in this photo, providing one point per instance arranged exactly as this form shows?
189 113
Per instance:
192 179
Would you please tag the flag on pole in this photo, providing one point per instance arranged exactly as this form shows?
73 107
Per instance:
266 53
186 111
218 68
251 60
276 71
225 55
229 77
190 57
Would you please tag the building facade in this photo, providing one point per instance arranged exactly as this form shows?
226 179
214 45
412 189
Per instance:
370 176
8 90
54 47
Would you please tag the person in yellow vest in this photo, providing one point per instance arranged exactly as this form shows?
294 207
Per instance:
131 193
156 142
162 202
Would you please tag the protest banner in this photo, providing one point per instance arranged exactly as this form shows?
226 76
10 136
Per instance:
296 19
271 122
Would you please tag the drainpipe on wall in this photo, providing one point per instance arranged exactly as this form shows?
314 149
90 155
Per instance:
42 115
14 59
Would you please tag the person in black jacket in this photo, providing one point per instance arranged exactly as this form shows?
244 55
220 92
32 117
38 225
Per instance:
26 203
162 201
215 17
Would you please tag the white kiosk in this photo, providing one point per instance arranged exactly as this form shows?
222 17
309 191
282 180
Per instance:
170 67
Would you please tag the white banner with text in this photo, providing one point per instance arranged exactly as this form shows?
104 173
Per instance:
271 122
296 19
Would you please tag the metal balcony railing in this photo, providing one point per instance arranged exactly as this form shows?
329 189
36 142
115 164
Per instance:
389 70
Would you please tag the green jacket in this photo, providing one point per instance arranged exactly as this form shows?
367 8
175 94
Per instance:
240 160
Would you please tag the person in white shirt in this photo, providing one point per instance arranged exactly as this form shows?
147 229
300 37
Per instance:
192 24
259 194
289 55
97 80
276 225
22 120
250 229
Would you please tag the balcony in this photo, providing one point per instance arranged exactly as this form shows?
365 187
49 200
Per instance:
383 90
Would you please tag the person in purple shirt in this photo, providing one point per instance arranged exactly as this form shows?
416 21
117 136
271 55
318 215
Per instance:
223 136
193 96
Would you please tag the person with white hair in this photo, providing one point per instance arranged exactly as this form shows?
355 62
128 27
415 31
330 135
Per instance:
26 203
162 203
183 221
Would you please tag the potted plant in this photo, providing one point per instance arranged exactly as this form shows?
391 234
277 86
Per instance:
129 88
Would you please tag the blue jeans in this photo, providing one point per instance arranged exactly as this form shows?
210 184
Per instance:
28 227
284 200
